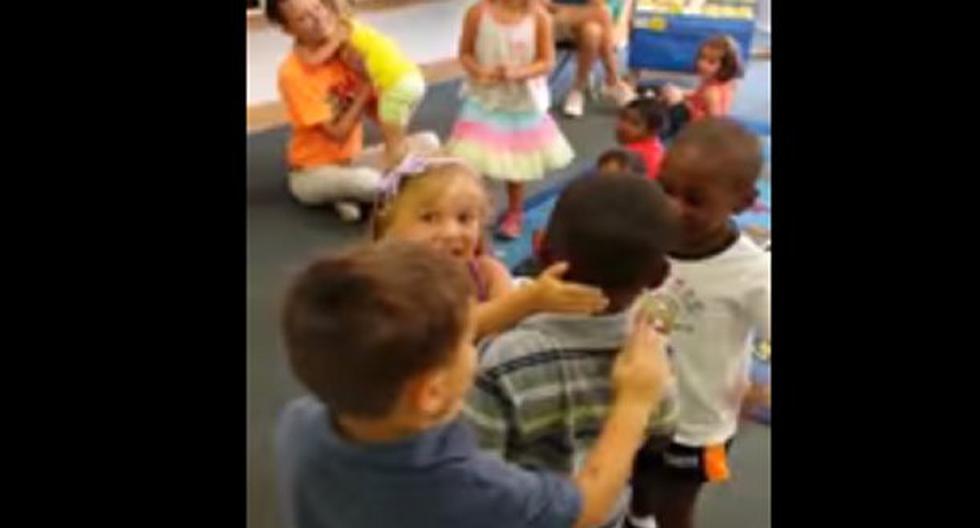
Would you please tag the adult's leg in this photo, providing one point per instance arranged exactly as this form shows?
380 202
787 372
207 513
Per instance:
595 34
592 28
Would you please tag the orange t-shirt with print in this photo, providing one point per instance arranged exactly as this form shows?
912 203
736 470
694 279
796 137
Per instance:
314 94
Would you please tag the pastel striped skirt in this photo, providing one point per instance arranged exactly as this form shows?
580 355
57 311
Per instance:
509 145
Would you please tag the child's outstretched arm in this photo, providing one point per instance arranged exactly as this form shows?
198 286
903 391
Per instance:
467 47
547 293
544 58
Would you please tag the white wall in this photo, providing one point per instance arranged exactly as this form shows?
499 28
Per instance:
427 32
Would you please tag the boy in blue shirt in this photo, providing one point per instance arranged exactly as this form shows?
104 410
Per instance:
382 337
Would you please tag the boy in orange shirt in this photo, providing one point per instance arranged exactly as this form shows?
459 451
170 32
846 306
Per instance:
325 103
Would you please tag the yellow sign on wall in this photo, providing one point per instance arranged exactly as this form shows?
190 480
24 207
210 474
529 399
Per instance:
657 24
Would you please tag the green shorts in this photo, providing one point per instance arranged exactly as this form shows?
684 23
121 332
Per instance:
397 104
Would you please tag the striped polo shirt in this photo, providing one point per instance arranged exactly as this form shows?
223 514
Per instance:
543 390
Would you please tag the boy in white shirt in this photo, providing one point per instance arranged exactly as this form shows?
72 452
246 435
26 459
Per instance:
718 289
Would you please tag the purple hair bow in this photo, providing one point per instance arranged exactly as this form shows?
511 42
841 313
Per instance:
411 165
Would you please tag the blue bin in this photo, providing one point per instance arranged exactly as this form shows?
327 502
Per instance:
671 42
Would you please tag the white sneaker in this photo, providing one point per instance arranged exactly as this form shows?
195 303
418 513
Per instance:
348 211
574 103
621 93
645 522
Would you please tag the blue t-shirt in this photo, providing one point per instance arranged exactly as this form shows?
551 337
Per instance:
436 479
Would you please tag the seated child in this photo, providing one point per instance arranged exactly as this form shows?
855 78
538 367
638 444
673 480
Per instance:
618 161
443 202
542 391
397 80
719 285
638 128
382 337
718 65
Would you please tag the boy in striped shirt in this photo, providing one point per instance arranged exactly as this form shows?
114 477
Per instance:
543 393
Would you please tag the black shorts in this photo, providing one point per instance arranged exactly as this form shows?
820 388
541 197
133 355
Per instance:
681 462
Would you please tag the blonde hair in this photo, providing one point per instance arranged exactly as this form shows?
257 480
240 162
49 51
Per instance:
435 178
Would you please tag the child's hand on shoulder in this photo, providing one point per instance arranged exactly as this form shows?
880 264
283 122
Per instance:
549 293
642 370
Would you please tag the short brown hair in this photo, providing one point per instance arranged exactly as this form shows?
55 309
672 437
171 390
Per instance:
722 146
731 56
359 325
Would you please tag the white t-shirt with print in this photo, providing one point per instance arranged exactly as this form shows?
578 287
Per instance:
721 305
